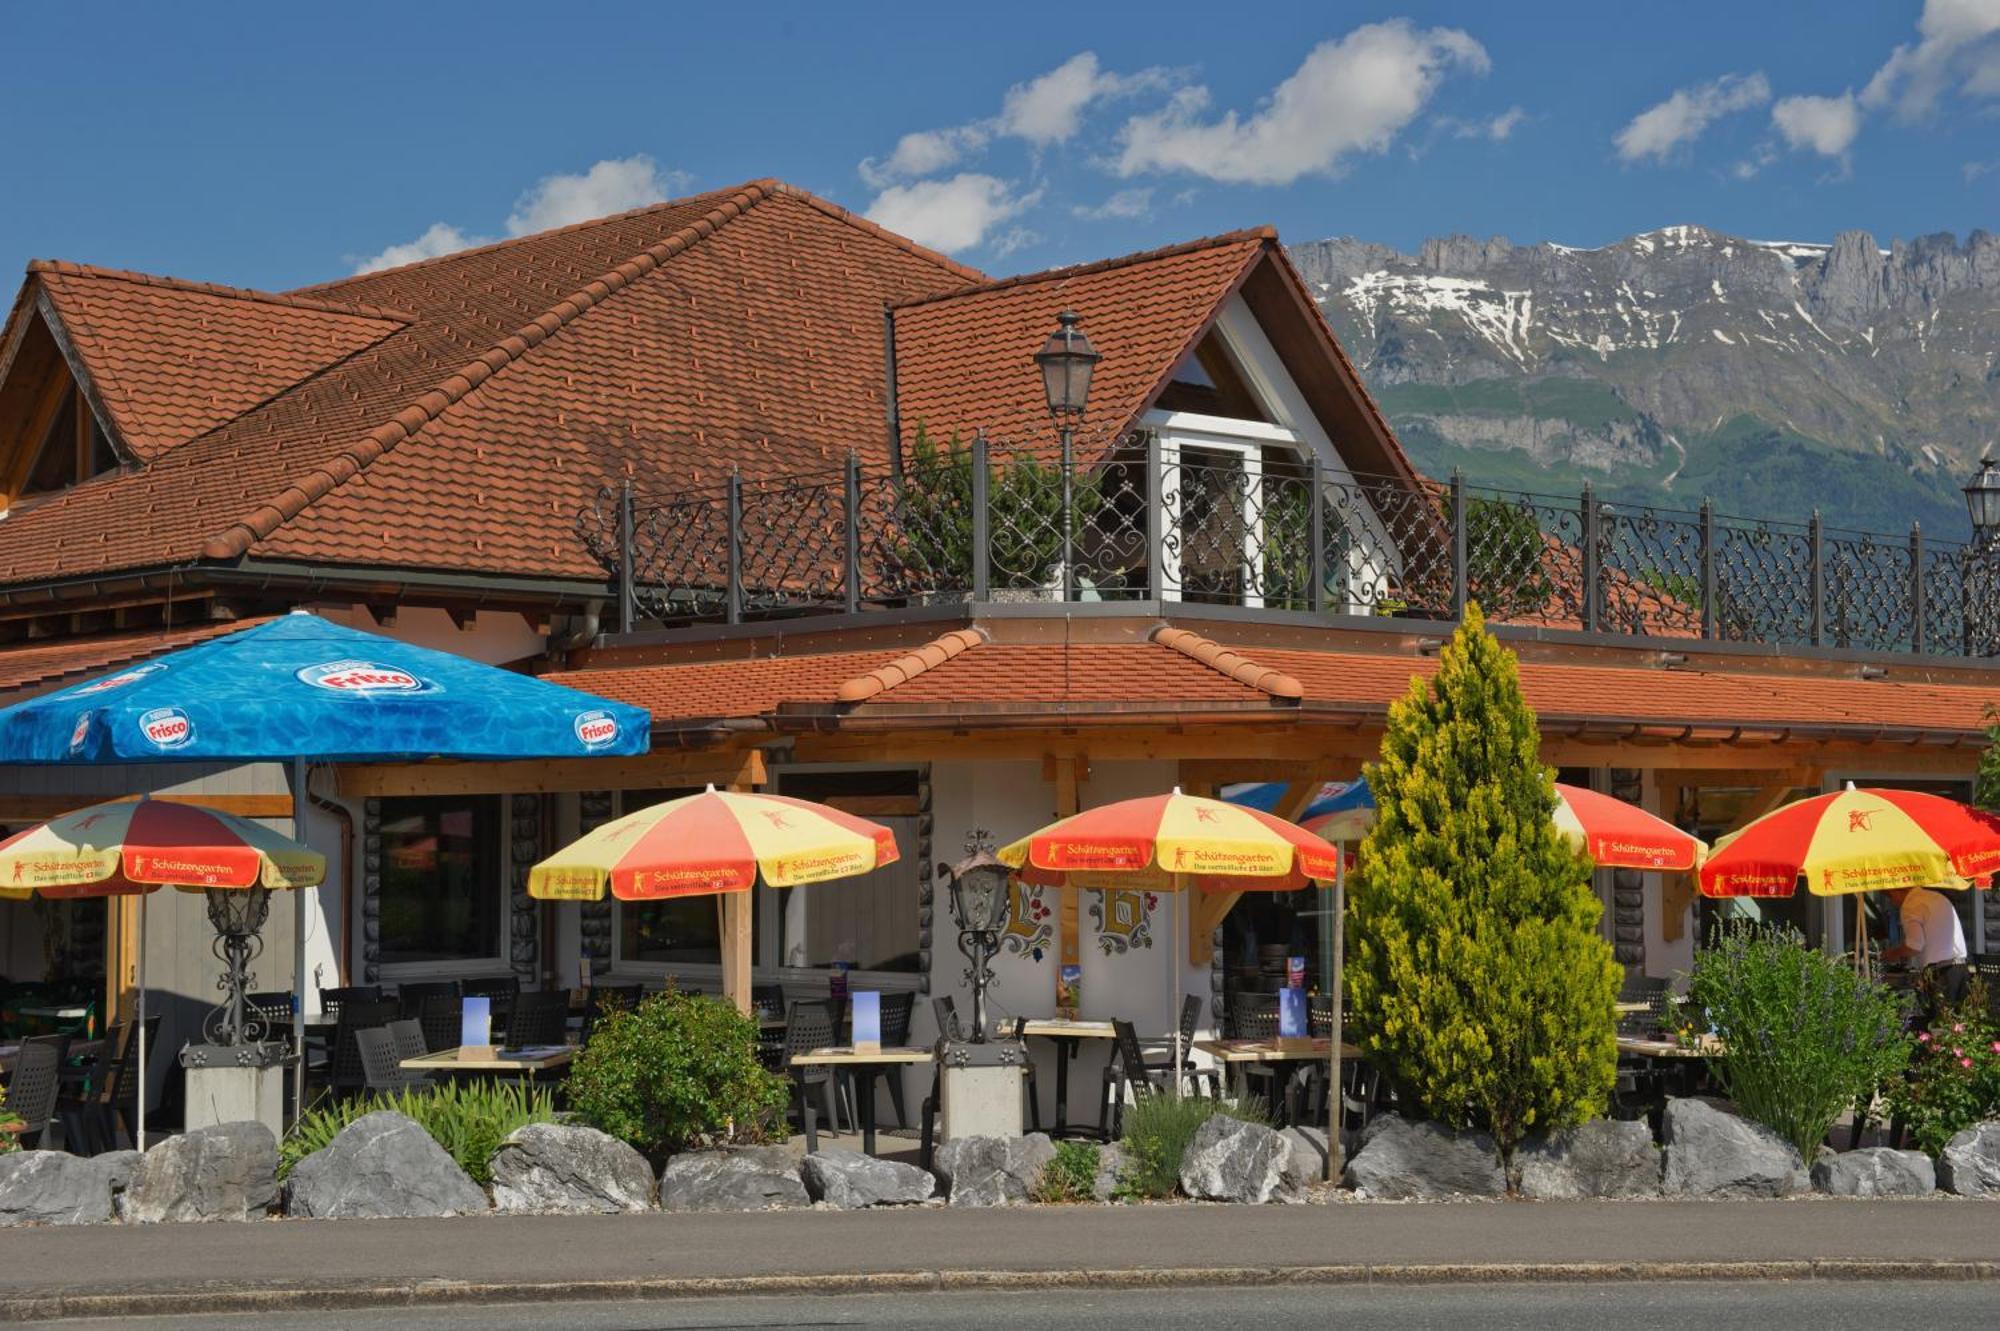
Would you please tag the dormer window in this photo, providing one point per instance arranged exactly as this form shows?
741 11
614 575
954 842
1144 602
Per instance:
74 449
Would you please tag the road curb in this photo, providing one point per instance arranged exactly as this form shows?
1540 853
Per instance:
219 1300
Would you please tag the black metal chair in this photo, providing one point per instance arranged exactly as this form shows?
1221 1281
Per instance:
408 1035
381 1065
809 1026
1127 1068
349 1074
331 1001
441 1019
896 1012
499 991
538 1018
36 1084
414 995
946 1013
102 1119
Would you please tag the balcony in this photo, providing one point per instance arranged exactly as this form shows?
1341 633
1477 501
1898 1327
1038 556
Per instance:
1160 521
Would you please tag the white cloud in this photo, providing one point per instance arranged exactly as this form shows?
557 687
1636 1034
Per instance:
1049 109
925 152
1348 96
1952 45
1126 203
1825 125
1974 170
1498 128
1016 237
615 185
441 238
1662 129
952 214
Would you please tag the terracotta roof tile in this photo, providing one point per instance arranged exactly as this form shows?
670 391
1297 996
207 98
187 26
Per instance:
1143 313
738 688
906 668
1236 666
40 664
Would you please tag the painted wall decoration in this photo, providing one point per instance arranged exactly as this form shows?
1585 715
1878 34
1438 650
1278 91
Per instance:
1124 920
1031 928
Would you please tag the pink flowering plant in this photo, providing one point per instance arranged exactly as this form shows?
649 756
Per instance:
1953 1080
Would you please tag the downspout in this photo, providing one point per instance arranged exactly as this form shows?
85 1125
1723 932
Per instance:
889 405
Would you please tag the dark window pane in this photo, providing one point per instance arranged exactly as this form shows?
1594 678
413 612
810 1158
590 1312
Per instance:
55 465
102 456
441 889
870 922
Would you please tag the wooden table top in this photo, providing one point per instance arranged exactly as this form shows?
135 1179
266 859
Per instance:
537 1059
1625 1008
1273 1051
847 1054
1068 1029
1706 1046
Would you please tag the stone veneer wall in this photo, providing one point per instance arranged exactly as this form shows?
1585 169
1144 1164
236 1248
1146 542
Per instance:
1628 886
595 922
524 913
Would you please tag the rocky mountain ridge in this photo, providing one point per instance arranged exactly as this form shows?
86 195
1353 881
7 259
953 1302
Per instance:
1775 376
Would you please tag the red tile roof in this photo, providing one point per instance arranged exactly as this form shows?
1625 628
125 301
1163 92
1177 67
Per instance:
41 664
705 690
964 361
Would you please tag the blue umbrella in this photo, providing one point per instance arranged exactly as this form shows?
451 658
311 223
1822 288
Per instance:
1332 797
299 688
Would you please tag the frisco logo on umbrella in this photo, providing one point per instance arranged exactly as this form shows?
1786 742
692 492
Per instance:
81 731
363 677
118 681
596 729
166 727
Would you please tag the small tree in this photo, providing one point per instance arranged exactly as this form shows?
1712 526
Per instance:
1477 979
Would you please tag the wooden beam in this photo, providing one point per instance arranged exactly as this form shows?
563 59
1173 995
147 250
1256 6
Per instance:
121 964
41 807
738 960
726 767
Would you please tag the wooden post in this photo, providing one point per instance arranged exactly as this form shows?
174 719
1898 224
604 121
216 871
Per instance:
122 959
737 959
1069 930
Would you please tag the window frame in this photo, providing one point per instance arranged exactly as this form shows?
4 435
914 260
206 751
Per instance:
466 967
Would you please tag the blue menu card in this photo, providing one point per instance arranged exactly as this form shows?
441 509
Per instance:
1291 1013
865 1008
475 1023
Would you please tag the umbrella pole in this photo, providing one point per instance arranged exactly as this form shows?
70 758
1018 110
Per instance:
1334 1164
1861 932
1174 1007
299 948
139 1102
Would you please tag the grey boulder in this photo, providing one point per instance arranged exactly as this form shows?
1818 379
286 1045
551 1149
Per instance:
850 1180
1228 1160
1110 1169
754 1178
568 1169
1713 1153
228 1171
1404 1161
1970 1162
1305 1166
1601 1158
1875 1171
992 1171
53 1188
379 1166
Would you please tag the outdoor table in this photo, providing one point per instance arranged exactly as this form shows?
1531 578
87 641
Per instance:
1706 1046
1235 1054
1068 1036
525 1062
1625 1009
866 1065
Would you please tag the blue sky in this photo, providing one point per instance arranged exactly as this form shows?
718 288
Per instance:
274 145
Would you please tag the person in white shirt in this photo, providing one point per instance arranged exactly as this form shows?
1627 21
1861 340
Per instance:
1933 941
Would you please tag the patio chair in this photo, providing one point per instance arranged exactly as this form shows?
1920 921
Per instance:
1255 1017
1028 1082
31 1095
440 1018
382 1066
413 996
1127 1068
332 1000
101 1119
407 1033
809 1026
946 1013
349 1074
1193 1073
499 991
538 1018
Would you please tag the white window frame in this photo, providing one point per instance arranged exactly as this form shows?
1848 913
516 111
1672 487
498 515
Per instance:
1244 440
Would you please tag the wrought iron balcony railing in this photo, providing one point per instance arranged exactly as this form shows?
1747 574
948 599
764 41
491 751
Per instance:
1154 522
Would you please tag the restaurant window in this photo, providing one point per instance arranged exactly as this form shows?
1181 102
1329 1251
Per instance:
870 922
441 891
674 932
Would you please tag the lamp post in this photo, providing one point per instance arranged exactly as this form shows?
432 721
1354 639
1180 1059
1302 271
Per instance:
1067 361
237 915
1982 505
981 897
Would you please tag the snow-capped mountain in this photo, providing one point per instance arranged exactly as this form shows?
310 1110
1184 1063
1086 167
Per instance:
1775 376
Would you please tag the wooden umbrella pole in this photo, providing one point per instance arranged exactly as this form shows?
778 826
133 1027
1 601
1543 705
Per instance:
299 948
1334 1163
1174 1006
1861 932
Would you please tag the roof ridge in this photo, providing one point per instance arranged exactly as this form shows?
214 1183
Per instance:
907 667
292 300
1258 233
235 540
586 224
1230 663
881 232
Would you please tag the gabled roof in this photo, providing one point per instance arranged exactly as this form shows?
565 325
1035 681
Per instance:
40 665
172 360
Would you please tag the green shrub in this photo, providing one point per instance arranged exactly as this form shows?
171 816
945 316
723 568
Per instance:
1476 979
9 1126
1806 1036
1070 1176
1158 1129
468 1119
678 1071
1954 1075
1024 503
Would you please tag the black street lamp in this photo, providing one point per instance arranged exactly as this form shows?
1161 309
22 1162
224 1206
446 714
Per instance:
1067 360
981 897
1982 505
237 915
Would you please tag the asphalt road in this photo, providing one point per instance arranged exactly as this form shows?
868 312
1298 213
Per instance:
1768 1306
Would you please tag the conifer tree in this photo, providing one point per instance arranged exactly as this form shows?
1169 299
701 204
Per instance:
1477 980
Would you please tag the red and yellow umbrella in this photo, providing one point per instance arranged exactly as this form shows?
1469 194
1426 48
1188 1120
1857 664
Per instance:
1855 841
1160 841
136 846
718 841
1618 835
